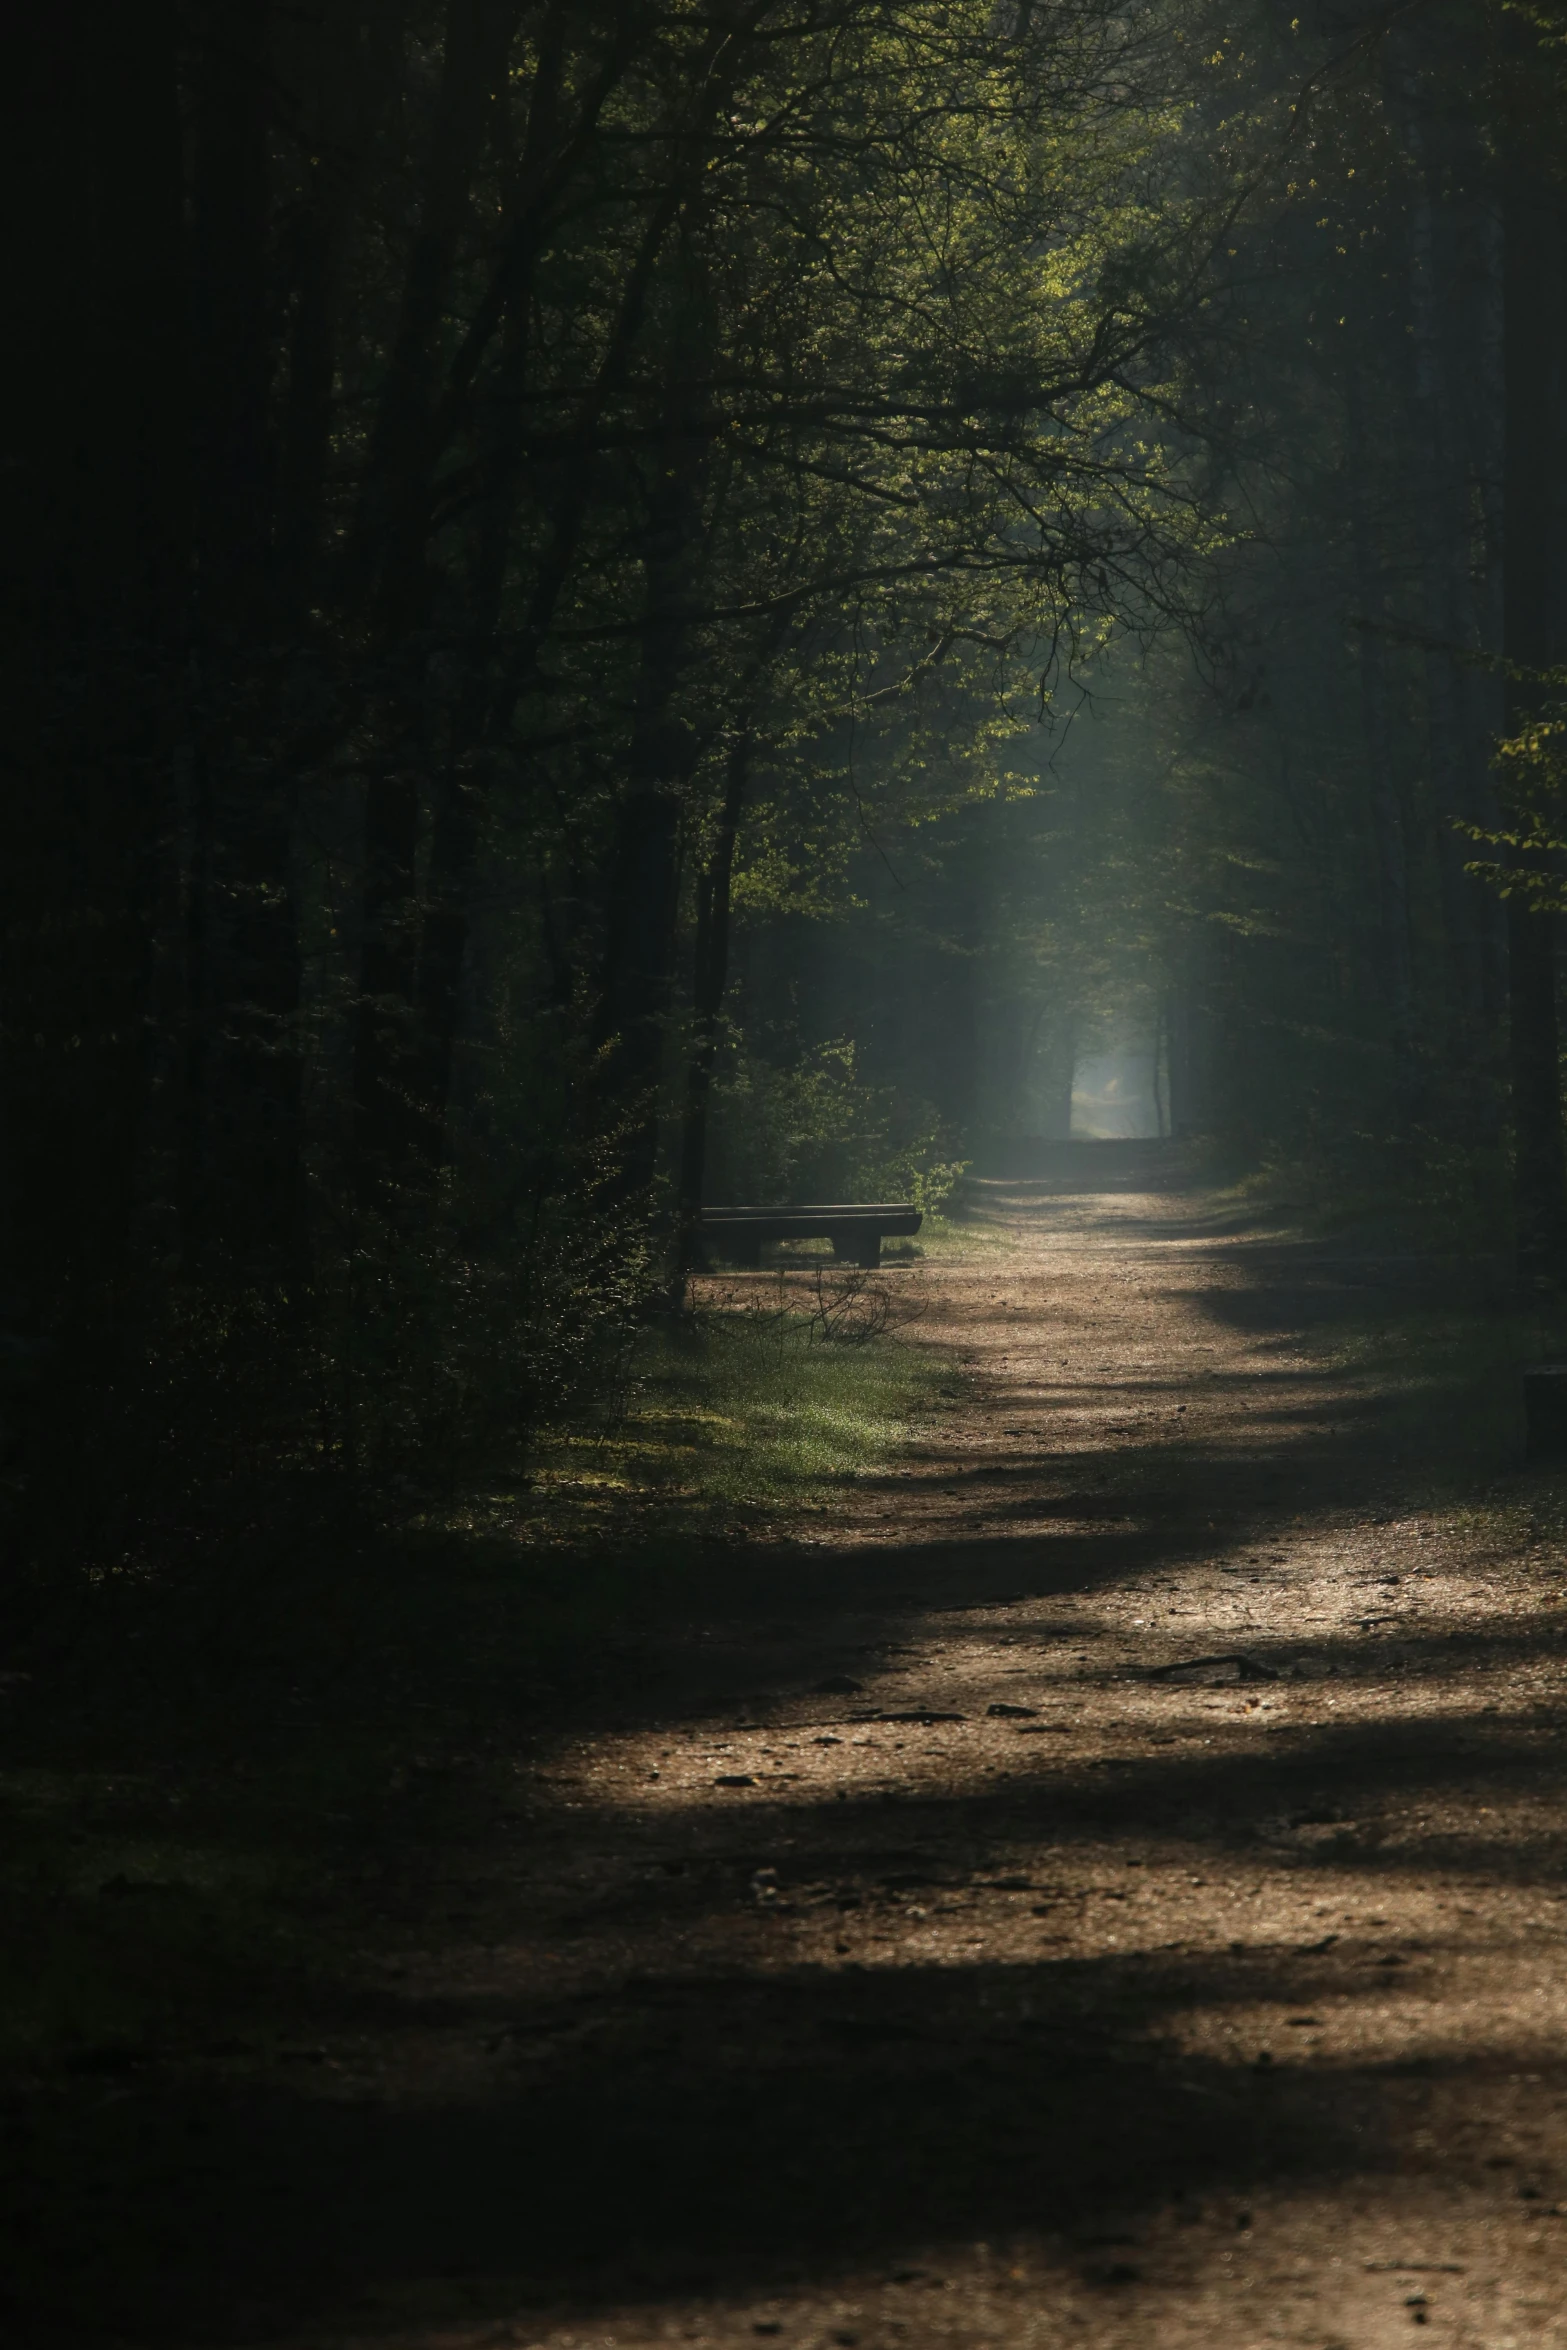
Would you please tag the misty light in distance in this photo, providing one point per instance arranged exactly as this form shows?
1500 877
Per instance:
1115 1098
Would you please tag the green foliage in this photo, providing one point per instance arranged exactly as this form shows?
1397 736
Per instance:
814 1129
418 1357
1531 771
1415 1188
434 1358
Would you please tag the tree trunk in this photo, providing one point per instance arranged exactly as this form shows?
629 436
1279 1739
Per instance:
389 551
711 978
1061 1078
387 568
554 144
641 907
95 563
96 556
1533 285
388 1128
491 702
640 910
232 348
1387 822
1448 337
349 78
243 1205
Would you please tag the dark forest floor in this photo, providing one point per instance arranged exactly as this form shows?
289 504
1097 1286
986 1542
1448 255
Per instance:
1103 1883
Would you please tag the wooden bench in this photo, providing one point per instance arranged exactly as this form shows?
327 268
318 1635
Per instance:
856 1233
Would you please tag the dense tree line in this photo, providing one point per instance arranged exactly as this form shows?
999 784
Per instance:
551 553
1284 839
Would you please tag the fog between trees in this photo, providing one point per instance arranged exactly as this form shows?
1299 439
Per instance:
620 604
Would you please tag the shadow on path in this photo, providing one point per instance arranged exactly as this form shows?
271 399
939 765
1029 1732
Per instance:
686 2123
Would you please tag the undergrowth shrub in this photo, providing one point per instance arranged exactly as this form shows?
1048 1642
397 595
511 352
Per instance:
1440 1192
257 1415
812 1126
434 1355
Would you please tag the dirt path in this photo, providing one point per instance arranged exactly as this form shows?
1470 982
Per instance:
942 1951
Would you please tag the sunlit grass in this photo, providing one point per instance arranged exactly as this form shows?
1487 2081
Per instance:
744 1415
961 1235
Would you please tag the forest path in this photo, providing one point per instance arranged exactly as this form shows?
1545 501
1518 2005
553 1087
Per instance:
931 1948
980 1964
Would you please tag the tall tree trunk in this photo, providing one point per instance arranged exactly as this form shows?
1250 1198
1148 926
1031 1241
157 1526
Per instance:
1477 331
347 78
1446 341
489 706
388 1128
95 554
642 894
94 570
404 1044
244 1202
388 554
557 139
387 569
641 905
1061 1077
231 310
1533 286
1387 822
711 977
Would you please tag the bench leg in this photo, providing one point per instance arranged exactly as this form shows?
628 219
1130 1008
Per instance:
744 1249
853 1245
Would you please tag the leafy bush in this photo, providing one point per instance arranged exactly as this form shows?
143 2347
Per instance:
257 1418
434 1356
814 1128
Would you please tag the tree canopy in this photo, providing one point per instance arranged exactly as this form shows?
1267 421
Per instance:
618 599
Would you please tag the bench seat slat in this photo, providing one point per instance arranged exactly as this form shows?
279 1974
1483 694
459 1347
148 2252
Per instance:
826 1212
810 1227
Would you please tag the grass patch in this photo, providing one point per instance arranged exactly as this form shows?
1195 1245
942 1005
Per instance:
735 1418
966 1233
